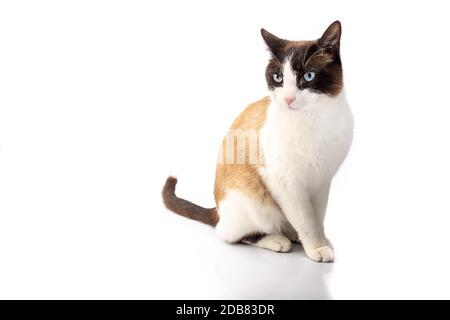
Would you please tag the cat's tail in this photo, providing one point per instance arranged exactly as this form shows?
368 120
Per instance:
186 208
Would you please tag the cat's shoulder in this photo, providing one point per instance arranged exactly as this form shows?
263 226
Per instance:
254 116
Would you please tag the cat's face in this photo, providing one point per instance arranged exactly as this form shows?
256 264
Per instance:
301 73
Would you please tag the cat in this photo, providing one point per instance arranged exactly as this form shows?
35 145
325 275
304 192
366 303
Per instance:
277 162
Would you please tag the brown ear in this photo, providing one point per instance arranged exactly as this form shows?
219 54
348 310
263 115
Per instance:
274 43
332 36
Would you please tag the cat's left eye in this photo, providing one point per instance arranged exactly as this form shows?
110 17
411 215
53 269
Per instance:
309 76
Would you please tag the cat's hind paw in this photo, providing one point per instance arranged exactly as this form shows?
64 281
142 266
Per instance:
273 242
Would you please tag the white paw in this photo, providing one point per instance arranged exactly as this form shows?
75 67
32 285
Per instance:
321 254
276 243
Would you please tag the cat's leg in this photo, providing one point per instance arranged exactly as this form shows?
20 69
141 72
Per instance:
242 219
290 232
299 211
320 202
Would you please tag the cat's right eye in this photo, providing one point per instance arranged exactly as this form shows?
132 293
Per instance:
277 78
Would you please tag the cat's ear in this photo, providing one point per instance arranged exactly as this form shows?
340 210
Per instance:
274 43
331 36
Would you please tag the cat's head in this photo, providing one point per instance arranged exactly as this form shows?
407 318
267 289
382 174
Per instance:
301 73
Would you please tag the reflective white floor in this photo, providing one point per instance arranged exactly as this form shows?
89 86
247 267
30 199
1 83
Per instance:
209 268
258 274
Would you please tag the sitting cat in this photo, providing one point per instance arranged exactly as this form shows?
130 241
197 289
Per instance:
281 153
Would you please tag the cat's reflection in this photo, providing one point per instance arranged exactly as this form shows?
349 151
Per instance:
253 273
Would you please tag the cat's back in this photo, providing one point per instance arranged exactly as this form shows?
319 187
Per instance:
253 117
237 167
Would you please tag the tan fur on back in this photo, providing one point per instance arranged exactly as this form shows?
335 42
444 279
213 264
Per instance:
244 177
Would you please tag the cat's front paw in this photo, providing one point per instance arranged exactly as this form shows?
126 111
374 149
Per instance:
321 254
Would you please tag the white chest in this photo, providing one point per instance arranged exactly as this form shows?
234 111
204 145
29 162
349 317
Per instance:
306 147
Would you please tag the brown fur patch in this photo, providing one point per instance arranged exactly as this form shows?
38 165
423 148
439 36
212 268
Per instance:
244 177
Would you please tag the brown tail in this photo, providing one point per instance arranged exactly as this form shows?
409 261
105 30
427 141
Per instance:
185 208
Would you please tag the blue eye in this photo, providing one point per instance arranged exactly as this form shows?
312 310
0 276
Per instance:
277 77
309 76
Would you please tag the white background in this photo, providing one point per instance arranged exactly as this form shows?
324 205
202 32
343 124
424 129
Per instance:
101 100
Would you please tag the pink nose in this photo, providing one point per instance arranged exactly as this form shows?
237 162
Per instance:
289 100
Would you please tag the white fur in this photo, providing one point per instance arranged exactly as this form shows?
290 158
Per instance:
303 147
241 215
